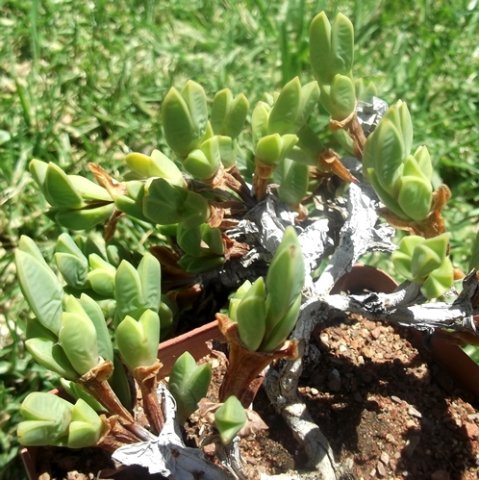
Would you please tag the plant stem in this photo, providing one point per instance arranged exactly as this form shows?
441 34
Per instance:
243 375
95 381
147 380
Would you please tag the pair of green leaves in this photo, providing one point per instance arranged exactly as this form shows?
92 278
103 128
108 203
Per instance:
203 146
51 420
331 49
78 203
402 180
425 261
266 311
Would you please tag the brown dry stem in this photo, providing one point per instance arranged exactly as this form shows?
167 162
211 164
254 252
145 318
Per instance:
95 382
244 373
146 378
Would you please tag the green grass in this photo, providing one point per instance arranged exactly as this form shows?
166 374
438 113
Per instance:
83 82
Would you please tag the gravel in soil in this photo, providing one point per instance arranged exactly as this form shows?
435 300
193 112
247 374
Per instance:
386 409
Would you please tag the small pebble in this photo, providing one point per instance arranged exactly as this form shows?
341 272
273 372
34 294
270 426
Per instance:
413 412
384 458
395 399
314 391
472 430
381 469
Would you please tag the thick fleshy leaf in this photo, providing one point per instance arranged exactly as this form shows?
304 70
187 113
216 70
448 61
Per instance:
72 268
269 149
308 102
128 291
388 152
415 197
342 44
230 419
343 97
219 110
188 383
47 417
251 315
78 339
180 129
259 120
168 168
167 204
27 245
195 98
439 281
102 282
41 289
95 313
424 161
275 337
59 190
49 354
85 428
203 163
38 169
294 181
284 113
320 49
149 270
88 190
77 391
137 340
84 219
285 278
424 261
236 116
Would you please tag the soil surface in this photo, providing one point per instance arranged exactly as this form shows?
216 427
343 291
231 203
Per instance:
388 411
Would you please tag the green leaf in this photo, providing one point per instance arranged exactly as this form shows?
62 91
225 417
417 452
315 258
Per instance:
149 270
387 151
38 169
285 278
439 281
72 268
342 44
251 315
59 190
167 204
27 245
308 102
423 159
415 197
88 190
138 341
85 428
343 97
203 163
84 219
259 120
320 49
78 339
95 313
424 261
294 182
195 98
219 110
230 419
236 116
180 129
49 354
41 289
47 417
275 337
128 291
284 113
188 384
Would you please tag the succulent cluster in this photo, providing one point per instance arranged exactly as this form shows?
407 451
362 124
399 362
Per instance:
98 322
425 261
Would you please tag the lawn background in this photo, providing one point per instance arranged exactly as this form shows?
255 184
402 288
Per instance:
83 82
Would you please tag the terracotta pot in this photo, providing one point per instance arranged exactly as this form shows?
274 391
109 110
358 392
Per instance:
444 350
194 341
